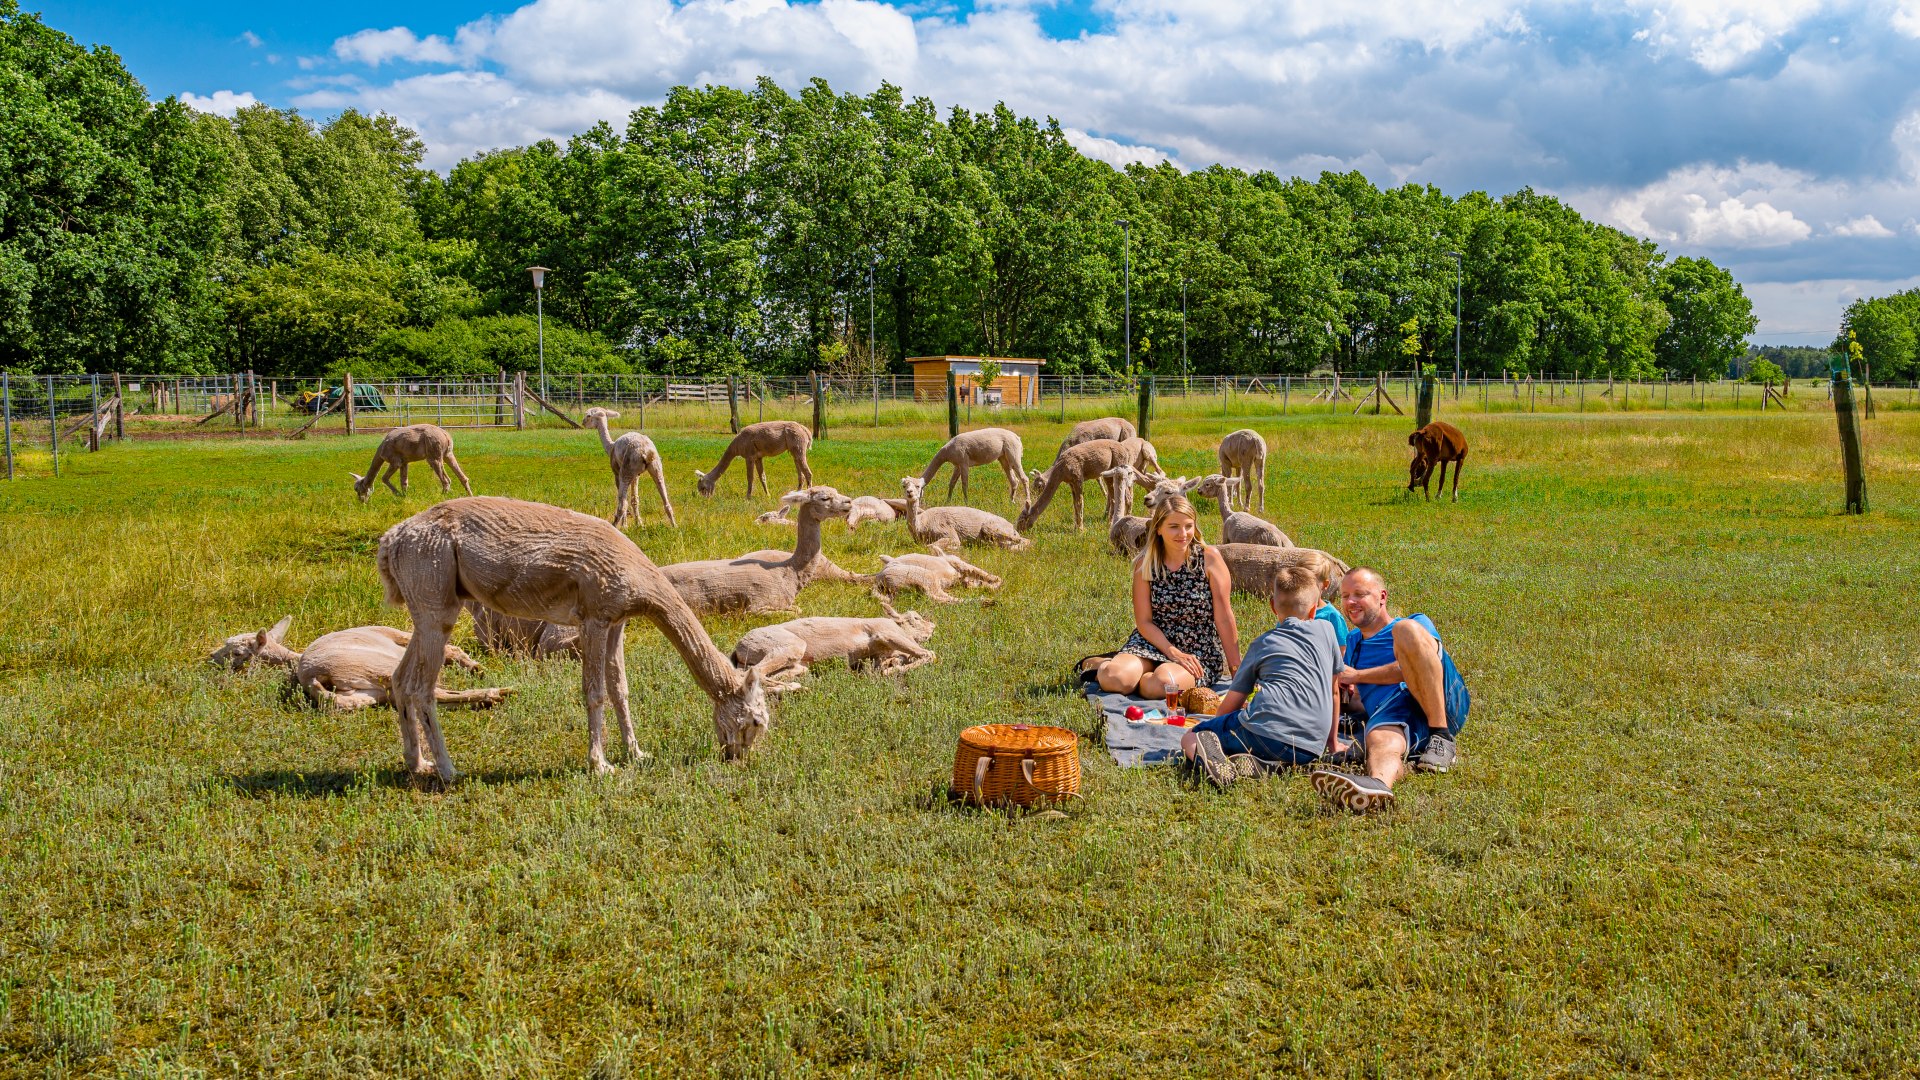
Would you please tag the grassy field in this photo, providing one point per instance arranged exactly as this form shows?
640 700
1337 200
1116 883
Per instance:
1683 839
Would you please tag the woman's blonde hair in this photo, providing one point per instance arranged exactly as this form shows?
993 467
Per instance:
1151 560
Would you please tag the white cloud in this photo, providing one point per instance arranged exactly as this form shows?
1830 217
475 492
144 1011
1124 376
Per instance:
376 47
1906 18
220 102
1119 155
1710 207
1720 35
1808 312
251 39
1864 226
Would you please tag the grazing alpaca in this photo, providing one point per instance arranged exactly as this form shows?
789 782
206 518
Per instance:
983 447
767 580
1238 527
630 455
542 562
786 651
757 442
347 669
1243 454
1254 566
945 527
522 637
402 445
931 574
1126 532
1107 427
1437 443
1079 464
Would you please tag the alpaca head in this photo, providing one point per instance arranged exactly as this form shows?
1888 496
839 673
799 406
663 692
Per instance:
362 485
742 714
598 414
240 651
819 502
1166 486
913 486
706 483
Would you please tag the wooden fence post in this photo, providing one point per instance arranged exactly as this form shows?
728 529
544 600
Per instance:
733 406
6 416
1423 405
519 401
119 413
953 405
346 401
643 399
1146 405
819 407
53 425
1850 451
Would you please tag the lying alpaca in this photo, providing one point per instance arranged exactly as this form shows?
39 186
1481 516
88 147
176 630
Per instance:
347 669
1254 566
403 445
945 527
543 562
513 636
1127 533
931 574
785 651
1237 527
767 580
631 455
865 508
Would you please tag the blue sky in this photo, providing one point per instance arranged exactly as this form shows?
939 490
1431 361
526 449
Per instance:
1780 138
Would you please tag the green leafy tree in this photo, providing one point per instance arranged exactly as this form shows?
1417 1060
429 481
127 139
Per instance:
1711 319
1887 329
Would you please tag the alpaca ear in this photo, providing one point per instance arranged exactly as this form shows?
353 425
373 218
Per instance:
698 475
356 478
279 631
793 497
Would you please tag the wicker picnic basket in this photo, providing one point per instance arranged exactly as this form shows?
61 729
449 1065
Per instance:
1016 763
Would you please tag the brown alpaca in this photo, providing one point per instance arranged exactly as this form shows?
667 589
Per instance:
986 446
542 562
1243 454
768 580
415 442
757 442
1080 464
347 669
1107 427
1437 443
631 455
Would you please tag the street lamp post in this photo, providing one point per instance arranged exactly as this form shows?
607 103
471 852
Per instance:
540 322
1455 256
1126 282
1183 335
873 353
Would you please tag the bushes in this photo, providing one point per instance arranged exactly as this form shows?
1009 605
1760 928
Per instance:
488 344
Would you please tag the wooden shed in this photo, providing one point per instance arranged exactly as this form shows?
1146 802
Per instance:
1018 384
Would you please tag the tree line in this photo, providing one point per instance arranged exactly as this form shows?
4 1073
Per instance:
1888 329
732 230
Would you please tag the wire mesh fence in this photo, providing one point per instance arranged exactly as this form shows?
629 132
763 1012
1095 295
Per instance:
47 416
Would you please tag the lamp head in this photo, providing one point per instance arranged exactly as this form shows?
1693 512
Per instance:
539 276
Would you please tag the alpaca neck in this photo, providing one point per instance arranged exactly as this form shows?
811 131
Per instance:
662 606
806 545
277 654
606 439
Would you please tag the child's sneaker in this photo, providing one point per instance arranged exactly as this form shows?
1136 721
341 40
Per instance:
1360 794
1212 759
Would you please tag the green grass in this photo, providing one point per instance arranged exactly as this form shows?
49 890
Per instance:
1683 839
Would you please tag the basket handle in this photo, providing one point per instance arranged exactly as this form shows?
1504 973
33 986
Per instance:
980 776
1026 773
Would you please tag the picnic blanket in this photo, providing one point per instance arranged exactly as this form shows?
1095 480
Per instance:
1137 744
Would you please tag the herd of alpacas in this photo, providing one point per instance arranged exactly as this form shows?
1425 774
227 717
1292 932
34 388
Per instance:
545 581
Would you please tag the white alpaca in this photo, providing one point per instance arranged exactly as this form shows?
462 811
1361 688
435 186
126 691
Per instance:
948 527
767 580
971 449
630 456
786 651
542 562
931 574
1243 454
347 669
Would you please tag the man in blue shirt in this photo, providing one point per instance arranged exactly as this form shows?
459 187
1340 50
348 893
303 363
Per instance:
1405 679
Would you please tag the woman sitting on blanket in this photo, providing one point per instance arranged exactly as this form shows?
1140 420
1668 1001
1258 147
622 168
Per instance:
1184 634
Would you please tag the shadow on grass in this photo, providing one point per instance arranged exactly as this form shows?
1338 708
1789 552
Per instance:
331 783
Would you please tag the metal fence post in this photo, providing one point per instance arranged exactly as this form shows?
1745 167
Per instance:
53 426
6 411
119 410
819 406
643 399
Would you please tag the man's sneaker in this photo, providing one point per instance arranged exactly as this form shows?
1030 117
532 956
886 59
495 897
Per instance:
1438 756
1360 794
1212 759
1246 767
1353 756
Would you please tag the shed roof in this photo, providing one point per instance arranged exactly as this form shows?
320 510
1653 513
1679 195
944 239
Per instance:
973 359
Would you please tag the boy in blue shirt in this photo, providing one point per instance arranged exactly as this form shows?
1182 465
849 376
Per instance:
1415 699
1291 720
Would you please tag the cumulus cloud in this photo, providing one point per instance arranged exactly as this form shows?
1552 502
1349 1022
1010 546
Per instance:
376 47
1721 127
251 39
1866 225
220 102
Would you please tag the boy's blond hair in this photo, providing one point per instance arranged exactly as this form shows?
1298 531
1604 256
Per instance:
1297 589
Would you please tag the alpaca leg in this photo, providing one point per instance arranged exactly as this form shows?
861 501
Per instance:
440 473
387 477
454 464
620 489
803 472
479 699
617 688
593 687
321 694
1459 463
1079 508
403 474
418 675
458 656
966 496
660 481
1260 474
938 593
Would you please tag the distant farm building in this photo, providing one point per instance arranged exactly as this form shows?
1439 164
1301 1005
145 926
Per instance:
1017 384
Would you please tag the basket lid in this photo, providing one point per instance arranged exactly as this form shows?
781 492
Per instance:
1019 739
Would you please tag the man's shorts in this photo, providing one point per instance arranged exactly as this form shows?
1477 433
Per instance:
1401 710
1235 739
